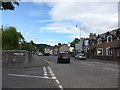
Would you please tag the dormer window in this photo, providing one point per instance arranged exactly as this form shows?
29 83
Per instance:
99 41
109 39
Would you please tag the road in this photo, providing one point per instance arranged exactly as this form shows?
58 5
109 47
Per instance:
78 74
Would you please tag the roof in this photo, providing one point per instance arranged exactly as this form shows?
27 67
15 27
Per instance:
113 32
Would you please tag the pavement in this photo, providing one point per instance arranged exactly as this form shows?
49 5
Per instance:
35 61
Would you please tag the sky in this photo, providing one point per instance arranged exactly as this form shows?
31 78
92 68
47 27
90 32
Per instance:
55 22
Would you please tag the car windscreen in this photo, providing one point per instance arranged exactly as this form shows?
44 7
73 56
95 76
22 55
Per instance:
63 54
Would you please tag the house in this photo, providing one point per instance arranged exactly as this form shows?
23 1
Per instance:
106 45
63 48
54 50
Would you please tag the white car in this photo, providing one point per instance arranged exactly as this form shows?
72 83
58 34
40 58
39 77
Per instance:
39 53
82 57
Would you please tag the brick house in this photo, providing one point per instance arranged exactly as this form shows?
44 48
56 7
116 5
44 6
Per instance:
106 45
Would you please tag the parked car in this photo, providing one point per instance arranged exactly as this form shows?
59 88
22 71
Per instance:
82 56
77 56
63 57
39 53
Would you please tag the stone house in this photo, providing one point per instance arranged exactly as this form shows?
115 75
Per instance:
106 45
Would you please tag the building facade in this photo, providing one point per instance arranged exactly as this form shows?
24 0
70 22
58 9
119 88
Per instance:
106 45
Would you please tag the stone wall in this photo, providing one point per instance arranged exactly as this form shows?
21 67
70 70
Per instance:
15 57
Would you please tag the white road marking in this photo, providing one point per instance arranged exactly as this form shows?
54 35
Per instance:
57 82
28 76
112 69
54 77
45 72
60 86
87 64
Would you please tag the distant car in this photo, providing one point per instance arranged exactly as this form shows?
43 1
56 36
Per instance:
82 57
63 57
39 53
77 56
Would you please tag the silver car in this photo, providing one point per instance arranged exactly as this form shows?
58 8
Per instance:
82 57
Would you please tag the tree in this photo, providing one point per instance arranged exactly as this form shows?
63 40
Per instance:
76 40
8 5
41 47
10 38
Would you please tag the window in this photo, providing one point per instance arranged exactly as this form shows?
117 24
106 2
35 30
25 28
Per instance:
99 41
109 39
108 51
99 51
118 38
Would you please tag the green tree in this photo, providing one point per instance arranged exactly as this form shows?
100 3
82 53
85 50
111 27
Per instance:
28 46
8 5
76 40
10 38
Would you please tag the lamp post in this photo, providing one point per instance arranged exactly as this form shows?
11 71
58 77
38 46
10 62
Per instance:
79 30
80 37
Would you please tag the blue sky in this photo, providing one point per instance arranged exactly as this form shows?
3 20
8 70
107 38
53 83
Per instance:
28 18
52 23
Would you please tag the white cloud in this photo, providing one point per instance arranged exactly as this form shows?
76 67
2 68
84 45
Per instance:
69 1
76 36
30 37
93 16
60 27
44 21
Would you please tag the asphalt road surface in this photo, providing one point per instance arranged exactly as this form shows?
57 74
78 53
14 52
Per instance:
78 74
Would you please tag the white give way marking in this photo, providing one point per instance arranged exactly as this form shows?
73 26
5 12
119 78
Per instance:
29 76
53 77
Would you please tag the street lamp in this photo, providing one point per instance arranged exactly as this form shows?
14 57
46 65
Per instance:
79 30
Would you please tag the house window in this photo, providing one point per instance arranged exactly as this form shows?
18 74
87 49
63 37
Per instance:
99 41
109 39
118 38
108 51
99 51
